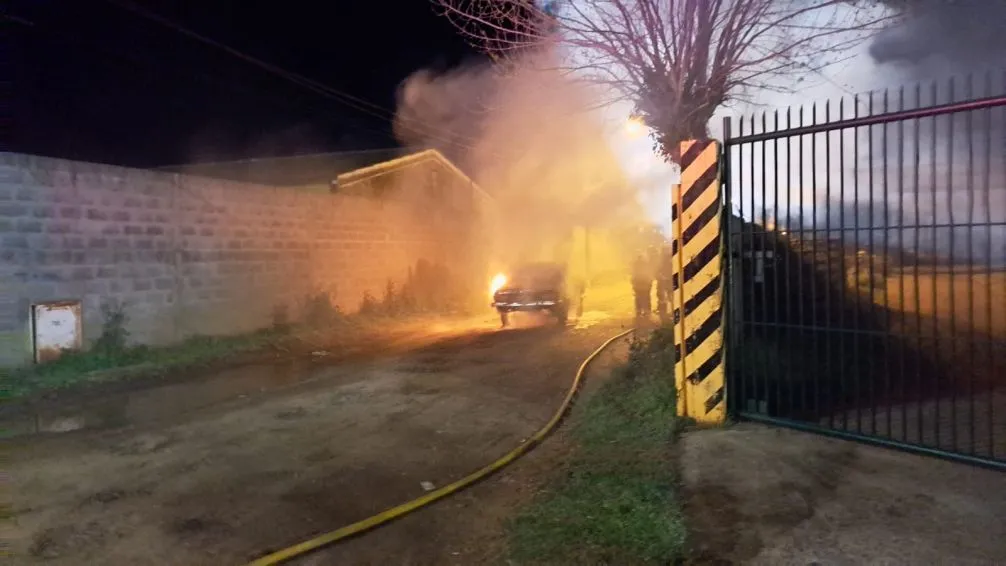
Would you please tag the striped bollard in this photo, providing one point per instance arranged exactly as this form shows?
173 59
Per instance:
697 284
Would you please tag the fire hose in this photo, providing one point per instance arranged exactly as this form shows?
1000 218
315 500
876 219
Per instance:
399 511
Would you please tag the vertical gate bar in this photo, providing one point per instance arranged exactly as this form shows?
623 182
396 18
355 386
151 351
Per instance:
816 332
902 397
869 259
800 259
788 232
726 284
765 360
917 165
742 366
754 357
776 299
737 318
935 322
856 306
972 369
954 365
990 343
844 295
1001 120
886 308
828 317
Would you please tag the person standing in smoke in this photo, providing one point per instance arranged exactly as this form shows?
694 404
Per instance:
642 285
664 274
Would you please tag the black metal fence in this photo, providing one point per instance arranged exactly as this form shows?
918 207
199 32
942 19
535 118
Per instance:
867 271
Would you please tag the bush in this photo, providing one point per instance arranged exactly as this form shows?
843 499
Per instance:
320 311
369 306
114 337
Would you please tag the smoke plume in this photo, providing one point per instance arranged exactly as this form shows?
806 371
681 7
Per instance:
965 178
940 36
527 137
943 178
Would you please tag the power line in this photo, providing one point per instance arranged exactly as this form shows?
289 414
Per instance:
319 88
132 58
17 20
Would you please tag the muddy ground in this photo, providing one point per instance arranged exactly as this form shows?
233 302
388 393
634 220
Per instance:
764 495
148 397
223 483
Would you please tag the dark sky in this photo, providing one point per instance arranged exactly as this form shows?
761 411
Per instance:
93 81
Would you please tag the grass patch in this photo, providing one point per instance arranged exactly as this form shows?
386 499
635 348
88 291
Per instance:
100 364
615 503
111 357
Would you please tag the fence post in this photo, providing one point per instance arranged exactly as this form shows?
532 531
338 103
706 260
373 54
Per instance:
698 283
733 266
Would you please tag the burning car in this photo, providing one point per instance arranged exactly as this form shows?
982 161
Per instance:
533 287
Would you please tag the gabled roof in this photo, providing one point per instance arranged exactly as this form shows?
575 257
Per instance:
346 168
295 170
397 164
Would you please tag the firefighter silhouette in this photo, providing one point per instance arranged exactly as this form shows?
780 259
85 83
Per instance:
664 276
642 285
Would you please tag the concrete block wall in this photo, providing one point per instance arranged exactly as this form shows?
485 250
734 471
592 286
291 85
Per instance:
189 255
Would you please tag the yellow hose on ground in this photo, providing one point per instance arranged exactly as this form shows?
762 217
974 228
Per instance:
326 539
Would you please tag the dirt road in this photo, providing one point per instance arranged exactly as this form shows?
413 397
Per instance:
229 482
766 495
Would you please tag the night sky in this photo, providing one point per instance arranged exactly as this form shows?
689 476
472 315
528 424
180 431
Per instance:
93 81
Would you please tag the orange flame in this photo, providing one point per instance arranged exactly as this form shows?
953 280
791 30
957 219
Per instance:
635 126
499 280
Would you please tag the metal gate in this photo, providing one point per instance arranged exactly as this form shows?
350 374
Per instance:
867 268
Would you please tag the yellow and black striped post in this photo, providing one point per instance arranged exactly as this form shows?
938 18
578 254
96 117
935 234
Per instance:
697 284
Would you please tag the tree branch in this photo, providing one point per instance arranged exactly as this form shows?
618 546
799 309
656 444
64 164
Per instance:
676 60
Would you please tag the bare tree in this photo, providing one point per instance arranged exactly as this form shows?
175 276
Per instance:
677 61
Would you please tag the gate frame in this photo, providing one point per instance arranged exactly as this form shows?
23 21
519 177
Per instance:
732 290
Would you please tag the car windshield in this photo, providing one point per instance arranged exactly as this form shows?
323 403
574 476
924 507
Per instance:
536 276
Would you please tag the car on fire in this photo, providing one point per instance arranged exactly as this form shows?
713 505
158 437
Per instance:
532 287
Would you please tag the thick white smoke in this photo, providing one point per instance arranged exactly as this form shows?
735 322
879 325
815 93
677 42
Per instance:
529 138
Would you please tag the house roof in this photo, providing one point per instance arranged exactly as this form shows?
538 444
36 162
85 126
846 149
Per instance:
397 164
295 170
347 168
